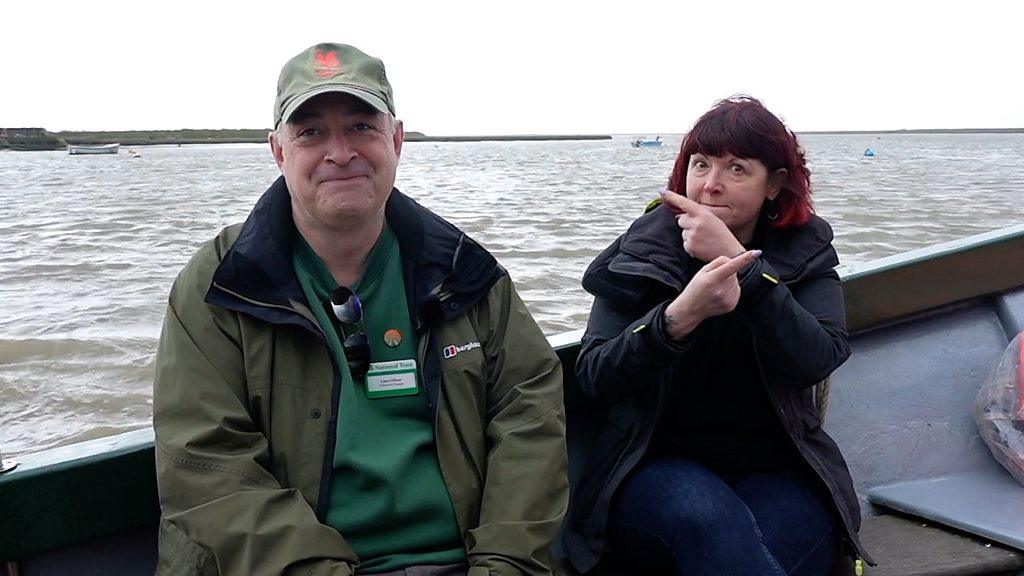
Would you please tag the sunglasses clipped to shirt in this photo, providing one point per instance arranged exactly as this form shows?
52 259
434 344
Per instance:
348 310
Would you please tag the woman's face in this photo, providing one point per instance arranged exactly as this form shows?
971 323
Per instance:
734 189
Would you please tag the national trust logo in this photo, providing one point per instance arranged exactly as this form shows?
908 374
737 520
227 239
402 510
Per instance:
327 64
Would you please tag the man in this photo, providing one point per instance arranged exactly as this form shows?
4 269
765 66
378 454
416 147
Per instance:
346 383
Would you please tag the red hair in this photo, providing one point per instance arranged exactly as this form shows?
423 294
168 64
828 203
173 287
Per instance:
743 127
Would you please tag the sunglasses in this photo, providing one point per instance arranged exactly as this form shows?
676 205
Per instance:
346 308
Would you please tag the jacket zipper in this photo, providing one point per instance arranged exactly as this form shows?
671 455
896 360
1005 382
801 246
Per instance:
423 346
816 466
422 353
335 384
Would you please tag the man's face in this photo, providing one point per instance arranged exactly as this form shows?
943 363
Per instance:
339 157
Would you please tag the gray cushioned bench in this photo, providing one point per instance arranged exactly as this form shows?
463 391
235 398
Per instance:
901 410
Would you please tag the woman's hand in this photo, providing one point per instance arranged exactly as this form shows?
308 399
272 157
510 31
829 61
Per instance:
705 236
714 290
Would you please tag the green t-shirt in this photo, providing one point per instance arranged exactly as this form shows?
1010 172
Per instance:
388 499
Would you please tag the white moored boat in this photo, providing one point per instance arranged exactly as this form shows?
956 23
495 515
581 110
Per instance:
100 149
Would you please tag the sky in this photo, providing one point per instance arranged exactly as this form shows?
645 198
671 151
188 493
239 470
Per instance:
524 67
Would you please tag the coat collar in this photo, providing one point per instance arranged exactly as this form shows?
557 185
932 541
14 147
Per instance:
445 270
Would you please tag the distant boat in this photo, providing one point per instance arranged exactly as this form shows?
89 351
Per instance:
640 142
100 149
869 152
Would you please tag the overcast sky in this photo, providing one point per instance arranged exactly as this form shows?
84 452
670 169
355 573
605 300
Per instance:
495 67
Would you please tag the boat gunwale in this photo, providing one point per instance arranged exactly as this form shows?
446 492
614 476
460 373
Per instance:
69 465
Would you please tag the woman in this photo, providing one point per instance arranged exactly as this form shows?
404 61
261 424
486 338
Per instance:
715 315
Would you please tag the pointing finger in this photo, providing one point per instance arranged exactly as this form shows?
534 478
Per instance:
736 264
678 203
716 263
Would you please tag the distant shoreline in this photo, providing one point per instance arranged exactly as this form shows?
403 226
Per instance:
418 137
41 139
923 131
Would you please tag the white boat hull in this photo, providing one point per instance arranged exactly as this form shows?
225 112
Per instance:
104 149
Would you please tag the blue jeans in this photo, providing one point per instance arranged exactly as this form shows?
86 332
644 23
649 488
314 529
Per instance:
675 514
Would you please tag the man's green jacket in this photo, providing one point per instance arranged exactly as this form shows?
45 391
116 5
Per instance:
246 398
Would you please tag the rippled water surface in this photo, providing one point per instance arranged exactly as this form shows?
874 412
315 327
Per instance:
91 244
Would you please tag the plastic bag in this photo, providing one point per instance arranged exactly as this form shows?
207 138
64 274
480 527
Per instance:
999 410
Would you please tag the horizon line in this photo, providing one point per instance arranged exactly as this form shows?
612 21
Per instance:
631 133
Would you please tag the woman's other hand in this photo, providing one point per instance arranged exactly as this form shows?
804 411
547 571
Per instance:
714 290
705 236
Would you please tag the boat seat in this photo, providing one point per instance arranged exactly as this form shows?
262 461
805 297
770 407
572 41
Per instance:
987 502
902 547
920 452
907 547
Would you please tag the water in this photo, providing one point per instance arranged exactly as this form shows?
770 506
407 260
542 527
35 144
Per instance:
91 244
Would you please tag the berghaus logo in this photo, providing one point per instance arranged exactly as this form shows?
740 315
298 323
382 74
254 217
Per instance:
453 351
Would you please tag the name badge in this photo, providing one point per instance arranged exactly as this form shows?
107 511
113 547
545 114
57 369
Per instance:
395 378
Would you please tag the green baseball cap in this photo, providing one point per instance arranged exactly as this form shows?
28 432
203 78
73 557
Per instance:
331 68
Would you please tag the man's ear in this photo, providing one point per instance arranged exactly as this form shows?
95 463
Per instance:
775 182
398 137
275 148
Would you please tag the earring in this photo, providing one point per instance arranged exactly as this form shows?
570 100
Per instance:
771 210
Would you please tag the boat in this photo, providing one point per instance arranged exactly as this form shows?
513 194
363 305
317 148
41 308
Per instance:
927 328
641 142
75 149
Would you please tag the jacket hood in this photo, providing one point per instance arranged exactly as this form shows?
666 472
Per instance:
445 270
453 271
651 249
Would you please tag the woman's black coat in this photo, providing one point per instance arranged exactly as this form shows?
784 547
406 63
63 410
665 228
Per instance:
791 300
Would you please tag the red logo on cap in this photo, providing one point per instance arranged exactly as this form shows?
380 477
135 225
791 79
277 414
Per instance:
327 64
